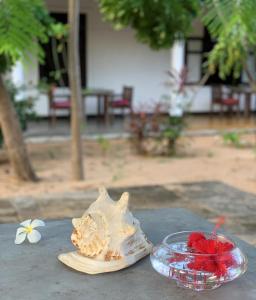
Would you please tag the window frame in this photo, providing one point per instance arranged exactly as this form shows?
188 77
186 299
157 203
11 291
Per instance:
198 52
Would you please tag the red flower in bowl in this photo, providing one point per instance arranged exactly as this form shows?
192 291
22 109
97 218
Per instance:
215 254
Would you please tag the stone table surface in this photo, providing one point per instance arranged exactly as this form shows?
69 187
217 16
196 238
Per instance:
33 272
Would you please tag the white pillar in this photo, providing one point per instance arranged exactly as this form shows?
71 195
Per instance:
18 78
177 55
177 62
17 74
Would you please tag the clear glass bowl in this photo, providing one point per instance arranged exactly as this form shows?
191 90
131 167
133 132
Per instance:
173 259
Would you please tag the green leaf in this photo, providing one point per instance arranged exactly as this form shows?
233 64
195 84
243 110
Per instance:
233 24
23 24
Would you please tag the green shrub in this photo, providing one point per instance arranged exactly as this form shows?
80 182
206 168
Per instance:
104 144
232 138
156 133
173 130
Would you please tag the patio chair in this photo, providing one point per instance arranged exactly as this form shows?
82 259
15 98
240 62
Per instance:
57 102
223 99
122 101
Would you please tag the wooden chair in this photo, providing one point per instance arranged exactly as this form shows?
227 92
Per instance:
223 99
57 102
123 101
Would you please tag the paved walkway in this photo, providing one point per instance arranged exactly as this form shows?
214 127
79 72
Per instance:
42 131
93 127
208 199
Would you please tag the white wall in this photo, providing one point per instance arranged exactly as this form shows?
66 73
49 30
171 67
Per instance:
114 59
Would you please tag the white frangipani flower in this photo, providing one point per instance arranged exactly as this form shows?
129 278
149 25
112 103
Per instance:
28 230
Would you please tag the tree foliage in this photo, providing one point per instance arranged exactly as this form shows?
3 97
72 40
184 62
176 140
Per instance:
159 22
156 22
233 25
23 23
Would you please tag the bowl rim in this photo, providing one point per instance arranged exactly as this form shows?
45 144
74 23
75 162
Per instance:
227 238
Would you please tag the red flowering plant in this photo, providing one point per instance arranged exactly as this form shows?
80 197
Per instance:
209 254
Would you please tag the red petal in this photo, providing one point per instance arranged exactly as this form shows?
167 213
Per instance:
210 266
224 247
194 237
221 270
204 246
212 246
202 263
226 259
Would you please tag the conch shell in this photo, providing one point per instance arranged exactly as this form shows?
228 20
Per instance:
107 237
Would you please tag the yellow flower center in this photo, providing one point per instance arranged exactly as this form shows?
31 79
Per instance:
29 229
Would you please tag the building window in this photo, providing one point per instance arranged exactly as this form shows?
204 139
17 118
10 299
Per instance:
195 50
56 63
193 59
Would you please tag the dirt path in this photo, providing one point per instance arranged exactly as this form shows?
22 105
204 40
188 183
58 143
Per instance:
114 164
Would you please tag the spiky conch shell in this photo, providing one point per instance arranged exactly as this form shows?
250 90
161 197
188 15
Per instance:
107 237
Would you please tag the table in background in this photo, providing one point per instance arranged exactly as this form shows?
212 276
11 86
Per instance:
34 272
104 95
248 93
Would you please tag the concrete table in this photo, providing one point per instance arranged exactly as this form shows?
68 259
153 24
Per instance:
32 272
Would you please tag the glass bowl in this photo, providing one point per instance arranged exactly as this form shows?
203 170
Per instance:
175 260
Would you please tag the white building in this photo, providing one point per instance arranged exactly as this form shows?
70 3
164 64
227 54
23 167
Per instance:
115 58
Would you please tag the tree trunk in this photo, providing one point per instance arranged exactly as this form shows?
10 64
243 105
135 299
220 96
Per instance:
75 86
13 138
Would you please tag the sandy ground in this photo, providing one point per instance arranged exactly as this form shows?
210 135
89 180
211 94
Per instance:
115 164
